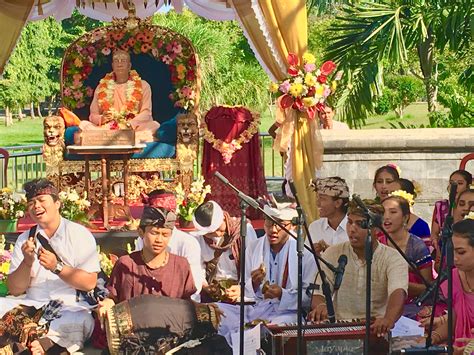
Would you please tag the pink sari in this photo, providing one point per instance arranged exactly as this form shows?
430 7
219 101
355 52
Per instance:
463 306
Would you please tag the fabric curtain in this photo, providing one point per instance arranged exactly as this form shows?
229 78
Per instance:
13 16
244 171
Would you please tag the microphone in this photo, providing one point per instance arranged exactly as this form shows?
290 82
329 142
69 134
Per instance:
429 290
248 200
377 220
341 266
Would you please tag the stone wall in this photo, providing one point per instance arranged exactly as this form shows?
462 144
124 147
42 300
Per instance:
427 156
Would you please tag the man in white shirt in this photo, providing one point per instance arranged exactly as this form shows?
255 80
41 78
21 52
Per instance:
218 234
51 264
333 199
181 243
271 276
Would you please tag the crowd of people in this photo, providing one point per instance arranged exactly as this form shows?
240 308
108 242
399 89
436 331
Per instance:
194 277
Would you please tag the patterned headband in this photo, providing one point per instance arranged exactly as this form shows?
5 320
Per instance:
164 200
158 217
331 186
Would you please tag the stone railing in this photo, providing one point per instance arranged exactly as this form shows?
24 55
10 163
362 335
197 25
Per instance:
427 156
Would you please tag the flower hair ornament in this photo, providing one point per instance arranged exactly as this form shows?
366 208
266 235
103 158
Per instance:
407 196
396 167
470 215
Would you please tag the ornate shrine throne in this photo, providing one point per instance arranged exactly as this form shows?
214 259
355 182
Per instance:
168 62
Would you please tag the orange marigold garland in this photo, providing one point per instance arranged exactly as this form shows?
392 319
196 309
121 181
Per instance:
133 96
227 150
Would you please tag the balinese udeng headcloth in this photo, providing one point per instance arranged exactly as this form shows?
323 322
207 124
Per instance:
39 187
157 217
331 186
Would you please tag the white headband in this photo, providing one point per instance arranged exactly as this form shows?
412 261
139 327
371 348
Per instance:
217 219
285 214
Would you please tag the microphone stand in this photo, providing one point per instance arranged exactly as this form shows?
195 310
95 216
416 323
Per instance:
370 222
447 250
243 235
325 284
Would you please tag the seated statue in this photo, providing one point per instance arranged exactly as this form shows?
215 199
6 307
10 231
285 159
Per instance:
122 100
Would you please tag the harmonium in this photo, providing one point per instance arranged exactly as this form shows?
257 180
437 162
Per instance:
325 338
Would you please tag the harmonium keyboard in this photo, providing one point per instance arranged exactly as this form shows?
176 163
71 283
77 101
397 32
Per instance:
324 338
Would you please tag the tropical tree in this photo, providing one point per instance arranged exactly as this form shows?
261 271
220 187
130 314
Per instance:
369 33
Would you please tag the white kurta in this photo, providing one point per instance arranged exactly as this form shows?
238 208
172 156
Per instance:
275 311
185 245
76 246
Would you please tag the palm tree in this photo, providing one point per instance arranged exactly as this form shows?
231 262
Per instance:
369 33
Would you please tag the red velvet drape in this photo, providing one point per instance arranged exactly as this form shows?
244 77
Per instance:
245 170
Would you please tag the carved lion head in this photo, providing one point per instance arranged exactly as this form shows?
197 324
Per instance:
187 127
53 130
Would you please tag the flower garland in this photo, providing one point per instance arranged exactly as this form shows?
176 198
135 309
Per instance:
133 94
227 150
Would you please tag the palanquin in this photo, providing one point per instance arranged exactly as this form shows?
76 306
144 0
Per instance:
169 63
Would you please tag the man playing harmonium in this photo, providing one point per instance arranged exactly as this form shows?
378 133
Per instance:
122 99
389 277
271 276
219 237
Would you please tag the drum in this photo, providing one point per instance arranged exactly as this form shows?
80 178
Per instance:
157 323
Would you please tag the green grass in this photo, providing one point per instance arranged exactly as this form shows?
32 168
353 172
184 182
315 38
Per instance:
415 114
23 132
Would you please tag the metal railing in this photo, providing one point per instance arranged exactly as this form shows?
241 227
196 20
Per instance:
26 163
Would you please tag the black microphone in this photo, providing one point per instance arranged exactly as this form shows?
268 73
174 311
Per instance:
428 291
248 200
342 262
377 220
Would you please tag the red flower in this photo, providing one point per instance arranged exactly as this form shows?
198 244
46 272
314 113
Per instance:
292 59
322 78
298 104
293 71
311 112
328 67
286 101
190 75
311 91
192 61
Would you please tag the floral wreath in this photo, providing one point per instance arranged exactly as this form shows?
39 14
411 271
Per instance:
406 195
227 150
133 93
93 49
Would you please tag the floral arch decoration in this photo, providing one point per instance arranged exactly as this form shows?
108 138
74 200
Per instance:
139 38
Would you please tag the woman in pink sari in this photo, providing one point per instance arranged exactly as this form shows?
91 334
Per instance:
463 288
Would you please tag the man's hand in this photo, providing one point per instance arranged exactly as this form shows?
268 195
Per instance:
382 326
459 350
257 276
319 313
104 305
320 246
47 259
28 250
273 291
106 117
233 293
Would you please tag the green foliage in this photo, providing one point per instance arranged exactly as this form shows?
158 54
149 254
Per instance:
384 103
368 34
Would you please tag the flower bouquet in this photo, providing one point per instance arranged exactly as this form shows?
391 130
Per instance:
5 258
12 207
74 207
188 202
307 88
12 204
